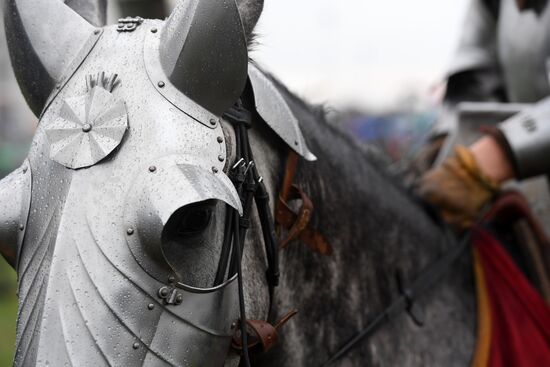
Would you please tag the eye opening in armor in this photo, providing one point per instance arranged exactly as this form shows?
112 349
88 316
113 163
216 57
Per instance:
191 242
190 220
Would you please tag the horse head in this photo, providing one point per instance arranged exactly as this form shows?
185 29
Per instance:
117 223
116 220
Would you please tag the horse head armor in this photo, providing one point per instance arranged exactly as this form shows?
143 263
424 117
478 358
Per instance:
113 221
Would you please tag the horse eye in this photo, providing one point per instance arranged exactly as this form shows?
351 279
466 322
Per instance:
194 221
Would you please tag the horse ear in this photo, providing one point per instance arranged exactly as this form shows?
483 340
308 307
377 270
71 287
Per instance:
94 11
203 52
250 10
43 38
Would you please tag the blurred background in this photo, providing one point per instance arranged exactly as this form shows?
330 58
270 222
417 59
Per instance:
377 66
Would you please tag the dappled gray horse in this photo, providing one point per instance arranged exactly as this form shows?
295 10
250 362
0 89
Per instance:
117 221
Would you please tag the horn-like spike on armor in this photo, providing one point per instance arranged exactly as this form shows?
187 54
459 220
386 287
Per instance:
204 53
94 11
43 38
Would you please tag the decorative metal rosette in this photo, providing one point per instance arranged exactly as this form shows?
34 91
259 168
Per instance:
88 128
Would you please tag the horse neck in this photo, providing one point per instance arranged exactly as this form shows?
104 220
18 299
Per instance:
373 225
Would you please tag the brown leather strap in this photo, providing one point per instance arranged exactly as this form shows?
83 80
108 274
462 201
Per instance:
290 172
297 224
262 336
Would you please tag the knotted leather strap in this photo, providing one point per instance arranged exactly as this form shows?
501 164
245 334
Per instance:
262 336
297 224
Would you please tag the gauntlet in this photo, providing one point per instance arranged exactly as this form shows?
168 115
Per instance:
458 188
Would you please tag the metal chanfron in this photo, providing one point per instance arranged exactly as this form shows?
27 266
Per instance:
84 297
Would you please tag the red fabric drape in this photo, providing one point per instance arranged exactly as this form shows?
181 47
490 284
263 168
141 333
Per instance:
520 319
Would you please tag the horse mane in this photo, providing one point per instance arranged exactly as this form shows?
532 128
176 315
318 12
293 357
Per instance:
377 229
313 120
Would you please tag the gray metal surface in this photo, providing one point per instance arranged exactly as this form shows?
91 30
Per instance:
155 190
477 45
528 135
273 108
523 45
88 128
203 52
85 299
15 196
473 115
94 11
43 38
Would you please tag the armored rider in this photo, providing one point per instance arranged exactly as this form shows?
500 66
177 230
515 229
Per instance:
504 55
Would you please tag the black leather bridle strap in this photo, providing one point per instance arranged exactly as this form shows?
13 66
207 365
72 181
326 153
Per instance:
425 281
251 189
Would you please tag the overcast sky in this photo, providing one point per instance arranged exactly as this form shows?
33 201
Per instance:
362 52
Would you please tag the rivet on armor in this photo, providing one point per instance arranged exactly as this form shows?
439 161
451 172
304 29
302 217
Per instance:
220 139
151 306
179 299
25 169
215 169
163 292
171 279
96 32
130 231
152 169
21 227
221 158
136 345
213 122
86 128
161 84
153 30
233 325
296 143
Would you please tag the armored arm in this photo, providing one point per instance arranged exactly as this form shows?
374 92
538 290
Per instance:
474 74
526 137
